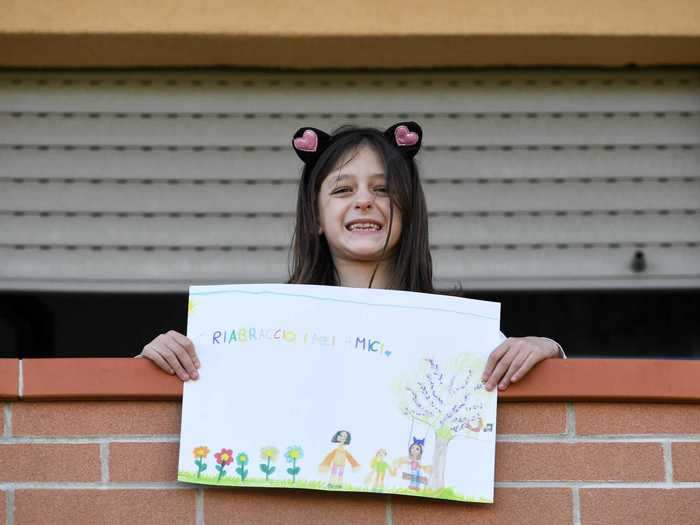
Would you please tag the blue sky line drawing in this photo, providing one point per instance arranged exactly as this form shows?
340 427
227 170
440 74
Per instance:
265 292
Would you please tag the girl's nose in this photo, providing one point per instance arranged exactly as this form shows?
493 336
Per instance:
364 200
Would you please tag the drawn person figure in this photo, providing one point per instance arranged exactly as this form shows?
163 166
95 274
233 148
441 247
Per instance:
476 424
417 470
337 458
362 221
379 467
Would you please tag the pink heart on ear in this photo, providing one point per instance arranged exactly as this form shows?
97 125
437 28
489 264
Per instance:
405 137
307 142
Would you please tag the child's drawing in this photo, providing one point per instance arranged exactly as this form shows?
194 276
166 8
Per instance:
448 398
333 388
337 458
200 454
378 469
294 454
223 458
268 455
418 472
242 461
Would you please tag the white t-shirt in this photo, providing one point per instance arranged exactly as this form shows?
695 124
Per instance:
561 350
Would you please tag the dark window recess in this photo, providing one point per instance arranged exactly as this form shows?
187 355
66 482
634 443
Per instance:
42 324
652 324
644 324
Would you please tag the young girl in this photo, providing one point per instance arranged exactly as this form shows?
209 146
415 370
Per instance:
361 221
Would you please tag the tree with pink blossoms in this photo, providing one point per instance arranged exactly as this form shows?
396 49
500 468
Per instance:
450 399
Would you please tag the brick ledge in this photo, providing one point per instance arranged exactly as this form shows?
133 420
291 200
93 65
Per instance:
553 380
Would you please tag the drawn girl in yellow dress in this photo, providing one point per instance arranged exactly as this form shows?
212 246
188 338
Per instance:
336 459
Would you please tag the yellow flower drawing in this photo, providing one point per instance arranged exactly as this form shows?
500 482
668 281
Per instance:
269 453
294 453
201 452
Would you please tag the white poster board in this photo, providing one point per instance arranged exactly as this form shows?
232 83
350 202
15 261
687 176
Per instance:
340 389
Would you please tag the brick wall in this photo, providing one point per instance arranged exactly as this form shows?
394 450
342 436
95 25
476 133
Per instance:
84 457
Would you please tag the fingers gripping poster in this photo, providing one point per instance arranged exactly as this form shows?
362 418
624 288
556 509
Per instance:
334 388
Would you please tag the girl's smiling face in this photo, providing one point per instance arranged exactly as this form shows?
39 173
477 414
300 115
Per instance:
355 209
415 451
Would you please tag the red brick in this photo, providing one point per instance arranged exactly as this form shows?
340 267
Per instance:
637 418
143 462
579 461
66 418
521 506
48 462
531 418
288 507
3 509
686 461
9 378
106 507
647 506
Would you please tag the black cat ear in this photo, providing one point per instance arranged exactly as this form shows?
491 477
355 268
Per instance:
406 136
309 143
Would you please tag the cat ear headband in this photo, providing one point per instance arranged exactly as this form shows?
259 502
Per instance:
309 143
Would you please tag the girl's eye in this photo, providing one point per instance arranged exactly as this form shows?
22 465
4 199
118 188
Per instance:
340 189
380 189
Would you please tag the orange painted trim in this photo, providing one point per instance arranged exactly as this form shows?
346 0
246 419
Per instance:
37 50
9 378
554 380
610 380
97 378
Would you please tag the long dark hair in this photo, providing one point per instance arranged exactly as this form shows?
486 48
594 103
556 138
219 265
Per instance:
411 265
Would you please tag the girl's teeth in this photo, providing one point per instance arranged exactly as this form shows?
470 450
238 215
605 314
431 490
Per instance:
364 226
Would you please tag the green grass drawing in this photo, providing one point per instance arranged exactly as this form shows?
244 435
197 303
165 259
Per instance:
447 493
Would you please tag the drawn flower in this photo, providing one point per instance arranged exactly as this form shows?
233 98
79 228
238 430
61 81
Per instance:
242 460
293 454
200 453
268 454
225 457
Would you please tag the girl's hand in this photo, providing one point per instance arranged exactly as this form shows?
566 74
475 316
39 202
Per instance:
514 358
174 353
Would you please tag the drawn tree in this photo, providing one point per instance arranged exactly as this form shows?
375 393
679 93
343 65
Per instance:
450 400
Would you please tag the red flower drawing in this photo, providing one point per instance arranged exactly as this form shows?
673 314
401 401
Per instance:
225 457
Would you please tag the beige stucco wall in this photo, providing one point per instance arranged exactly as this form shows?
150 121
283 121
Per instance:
361 33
